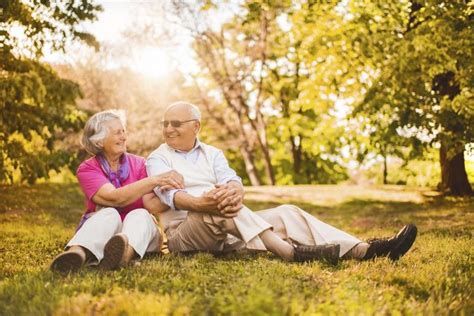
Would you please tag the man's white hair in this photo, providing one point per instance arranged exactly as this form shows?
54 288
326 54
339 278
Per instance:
193 109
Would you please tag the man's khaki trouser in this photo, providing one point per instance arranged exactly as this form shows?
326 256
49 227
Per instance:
206 232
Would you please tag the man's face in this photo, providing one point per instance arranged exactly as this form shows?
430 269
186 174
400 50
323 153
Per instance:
184 136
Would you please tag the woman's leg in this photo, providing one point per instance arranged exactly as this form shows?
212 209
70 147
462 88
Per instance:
142 232
89 241
97 230
139 234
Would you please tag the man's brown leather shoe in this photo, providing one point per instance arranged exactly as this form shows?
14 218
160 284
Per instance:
393 247
328 253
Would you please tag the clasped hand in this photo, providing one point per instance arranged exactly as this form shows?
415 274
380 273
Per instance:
227 198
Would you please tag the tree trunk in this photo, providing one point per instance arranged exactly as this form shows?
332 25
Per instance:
268 165
296 153
454 178
385 171
250 166
451 154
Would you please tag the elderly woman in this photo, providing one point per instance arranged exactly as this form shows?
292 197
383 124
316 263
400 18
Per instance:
115 227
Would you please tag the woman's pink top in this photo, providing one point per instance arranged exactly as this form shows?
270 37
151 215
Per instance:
91 178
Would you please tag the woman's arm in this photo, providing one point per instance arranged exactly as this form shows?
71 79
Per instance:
108 195
153 204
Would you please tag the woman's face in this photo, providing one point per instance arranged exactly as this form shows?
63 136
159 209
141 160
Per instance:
115 143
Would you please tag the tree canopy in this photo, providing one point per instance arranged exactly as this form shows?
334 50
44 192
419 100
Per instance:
37 107
304 81
294 91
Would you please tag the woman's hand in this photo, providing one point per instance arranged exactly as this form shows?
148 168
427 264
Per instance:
153 204
170 180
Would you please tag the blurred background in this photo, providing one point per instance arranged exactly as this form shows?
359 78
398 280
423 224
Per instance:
295 92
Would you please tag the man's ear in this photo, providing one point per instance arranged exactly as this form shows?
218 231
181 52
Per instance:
198 127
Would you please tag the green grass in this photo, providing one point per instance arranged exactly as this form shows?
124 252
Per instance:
434 278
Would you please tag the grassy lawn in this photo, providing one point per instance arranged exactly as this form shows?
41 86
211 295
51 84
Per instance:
434 278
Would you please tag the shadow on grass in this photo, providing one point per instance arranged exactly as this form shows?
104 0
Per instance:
63 204
367 214
42 203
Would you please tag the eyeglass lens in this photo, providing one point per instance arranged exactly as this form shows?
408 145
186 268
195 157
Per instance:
174 123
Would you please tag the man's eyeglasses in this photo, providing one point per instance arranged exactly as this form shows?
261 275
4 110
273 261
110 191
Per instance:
176 123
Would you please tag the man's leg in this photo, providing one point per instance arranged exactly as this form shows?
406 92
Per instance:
205 232
297 226
195 233
258 234
301 228
270 240
357 252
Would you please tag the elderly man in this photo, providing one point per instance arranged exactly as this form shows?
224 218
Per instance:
201 216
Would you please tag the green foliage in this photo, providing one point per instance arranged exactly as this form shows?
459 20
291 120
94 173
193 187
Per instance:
236 163
271 90
299 67
434 278
422 172
421 56
37 107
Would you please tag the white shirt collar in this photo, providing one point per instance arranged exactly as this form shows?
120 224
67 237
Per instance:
197 145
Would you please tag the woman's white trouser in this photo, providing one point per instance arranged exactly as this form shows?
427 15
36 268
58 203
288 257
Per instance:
139 227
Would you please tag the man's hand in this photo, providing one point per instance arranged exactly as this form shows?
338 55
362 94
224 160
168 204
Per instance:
224 200
209 204
229 198
170 180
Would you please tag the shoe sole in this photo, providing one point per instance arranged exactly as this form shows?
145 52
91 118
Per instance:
113 253
409 233
67 262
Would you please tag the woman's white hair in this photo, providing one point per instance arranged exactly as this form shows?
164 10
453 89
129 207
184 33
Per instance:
95 131
195 112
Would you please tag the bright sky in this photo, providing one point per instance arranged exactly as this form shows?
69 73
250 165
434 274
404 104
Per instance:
119 17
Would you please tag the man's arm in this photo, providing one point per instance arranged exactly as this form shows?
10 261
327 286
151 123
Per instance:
229 191
153 204
156 164
224 173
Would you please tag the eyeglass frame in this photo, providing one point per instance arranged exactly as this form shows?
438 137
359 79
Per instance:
175 123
